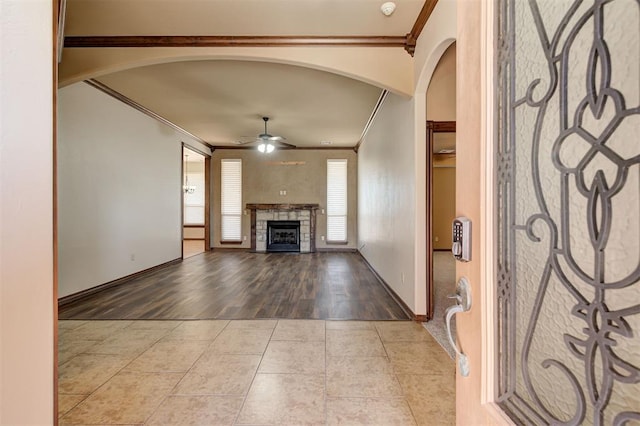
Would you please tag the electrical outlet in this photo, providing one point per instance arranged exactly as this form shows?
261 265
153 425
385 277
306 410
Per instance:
322 211
437 239
322 238
244 238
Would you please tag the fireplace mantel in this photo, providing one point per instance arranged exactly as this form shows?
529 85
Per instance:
305 213
283 207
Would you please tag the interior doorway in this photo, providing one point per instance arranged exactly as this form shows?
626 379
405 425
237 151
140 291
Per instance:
195 202
441 193
441 187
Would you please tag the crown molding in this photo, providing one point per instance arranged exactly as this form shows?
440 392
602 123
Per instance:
232 41
421 21
408 41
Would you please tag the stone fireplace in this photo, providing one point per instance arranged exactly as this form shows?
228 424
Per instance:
263 214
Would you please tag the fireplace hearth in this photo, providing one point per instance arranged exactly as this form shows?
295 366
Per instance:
283 235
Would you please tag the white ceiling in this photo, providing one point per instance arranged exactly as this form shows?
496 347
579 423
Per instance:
239 17
221 101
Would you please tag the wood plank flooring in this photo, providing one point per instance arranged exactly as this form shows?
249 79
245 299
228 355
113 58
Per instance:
243 285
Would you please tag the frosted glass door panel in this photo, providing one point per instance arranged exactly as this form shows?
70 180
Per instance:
568 211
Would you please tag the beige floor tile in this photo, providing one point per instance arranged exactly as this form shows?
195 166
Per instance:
128 342
218 374
402 331
350 325
431 397
67 402
285 399
153 325
300 330
169 355
197 410
197 330
85 373
293 358
68 349
261 324
96 330
192 248
361 377
62 422
354 343
241 341
129 397
369 411
419 358
65 325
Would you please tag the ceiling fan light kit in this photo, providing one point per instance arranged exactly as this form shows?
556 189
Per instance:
266 148
267 143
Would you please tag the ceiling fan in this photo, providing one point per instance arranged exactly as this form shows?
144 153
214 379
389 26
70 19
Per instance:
266 141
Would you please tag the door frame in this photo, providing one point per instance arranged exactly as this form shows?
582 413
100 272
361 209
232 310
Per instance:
432 127
207 197
475 192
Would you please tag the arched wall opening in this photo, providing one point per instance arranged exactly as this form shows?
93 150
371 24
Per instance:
438 35
387 68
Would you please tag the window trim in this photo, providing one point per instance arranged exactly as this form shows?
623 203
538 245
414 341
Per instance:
344 241
222 204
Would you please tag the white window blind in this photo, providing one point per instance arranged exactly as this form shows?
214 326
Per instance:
337 200
231 199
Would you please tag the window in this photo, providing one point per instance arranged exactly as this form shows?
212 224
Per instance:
231 199
193 188
336 200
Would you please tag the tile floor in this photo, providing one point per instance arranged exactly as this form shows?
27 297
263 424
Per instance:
192 247
263 372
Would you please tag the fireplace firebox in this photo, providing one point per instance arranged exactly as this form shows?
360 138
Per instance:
283 235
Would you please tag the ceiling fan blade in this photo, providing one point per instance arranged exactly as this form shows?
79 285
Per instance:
277 138
288 145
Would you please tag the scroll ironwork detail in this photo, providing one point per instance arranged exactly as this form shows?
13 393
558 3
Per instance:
579 180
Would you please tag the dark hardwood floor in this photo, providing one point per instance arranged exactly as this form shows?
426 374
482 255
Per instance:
243 285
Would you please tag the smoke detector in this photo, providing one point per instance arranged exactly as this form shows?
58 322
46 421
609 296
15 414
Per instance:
388 8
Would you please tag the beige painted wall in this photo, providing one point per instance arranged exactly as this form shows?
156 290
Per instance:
263 177
386 200
441 106
26 203
444 206
391 69
437 35
113 224
441 94
193 233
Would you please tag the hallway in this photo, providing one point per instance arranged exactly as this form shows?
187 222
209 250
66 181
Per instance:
253 372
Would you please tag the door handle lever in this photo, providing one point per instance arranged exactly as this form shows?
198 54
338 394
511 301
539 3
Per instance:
463 304
457 297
